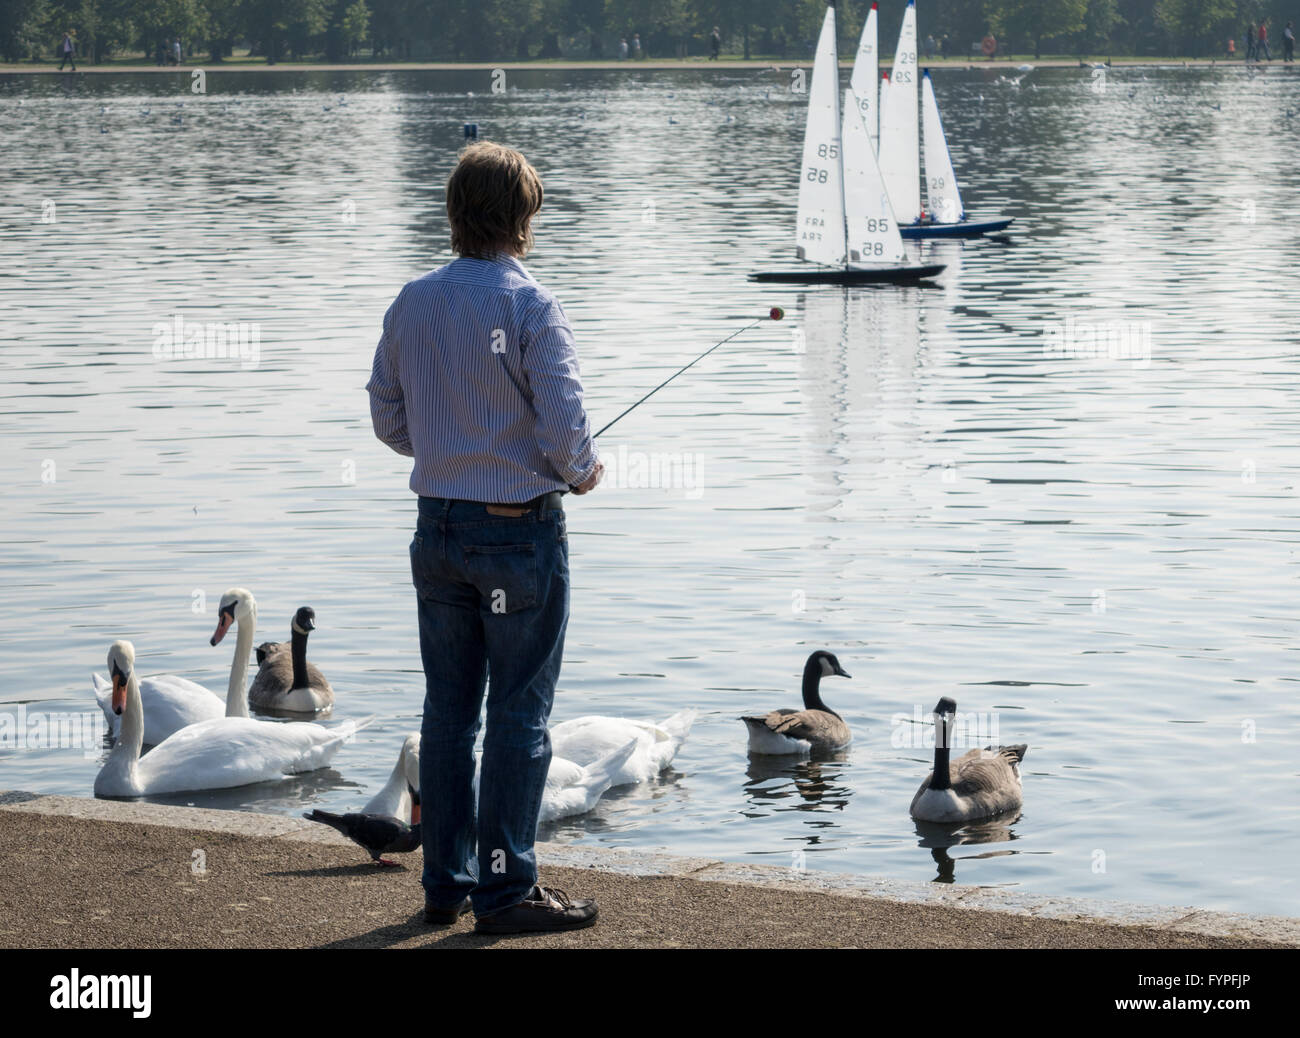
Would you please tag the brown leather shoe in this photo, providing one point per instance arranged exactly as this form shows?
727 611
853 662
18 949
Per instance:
444 916
544 910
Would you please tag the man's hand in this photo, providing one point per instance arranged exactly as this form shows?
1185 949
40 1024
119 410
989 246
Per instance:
589 484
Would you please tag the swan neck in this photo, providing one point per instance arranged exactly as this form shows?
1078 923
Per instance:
298 648
130 738
237 692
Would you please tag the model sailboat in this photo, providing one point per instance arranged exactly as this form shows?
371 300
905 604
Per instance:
900 152
845 230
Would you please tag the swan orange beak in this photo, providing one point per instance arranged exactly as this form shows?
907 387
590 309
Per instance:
223 625
415 804
119 693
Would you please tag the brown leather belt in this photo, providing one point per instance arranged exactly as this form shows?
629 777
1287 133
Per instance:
552 502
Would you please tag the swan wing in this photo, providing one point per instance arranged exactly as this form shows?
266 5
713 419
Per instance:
572 789
237 751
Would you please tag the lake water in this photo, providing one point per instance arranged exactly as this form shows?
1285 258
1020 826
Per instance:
944 486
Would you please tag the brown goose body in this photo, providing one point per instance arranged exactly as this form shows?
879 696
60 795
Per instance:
285 680
814 729
981 783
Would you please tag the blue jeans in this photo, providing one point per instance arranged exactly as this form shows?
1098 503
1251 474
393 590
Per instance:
493 597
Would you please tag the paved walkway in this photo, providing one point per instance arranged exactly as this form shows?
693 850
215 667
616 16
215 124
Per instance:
98 874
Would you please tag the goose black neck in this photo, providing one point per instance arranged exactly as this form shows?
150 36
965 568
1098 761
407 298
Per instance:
812 679
941 778
298 645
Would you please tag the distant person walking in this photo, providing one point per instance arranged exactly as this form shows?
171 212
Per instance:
176 51
622 49
67 50
636 46
929 48
1288 43
715 44
1263 41
1250 41
1232 47
989 46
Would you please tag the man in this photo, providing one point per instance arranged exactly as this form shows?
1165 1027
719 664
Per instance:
476 378
67 50
1262 48
176 51
1251 36
1288 43
636 46
715 44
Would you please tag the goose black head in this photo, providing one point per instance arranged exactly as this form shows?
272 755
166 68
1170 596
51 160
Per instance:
828 664
304 620
945 713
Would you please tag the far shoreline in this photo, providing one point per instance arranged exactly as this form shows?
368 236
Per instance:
775 64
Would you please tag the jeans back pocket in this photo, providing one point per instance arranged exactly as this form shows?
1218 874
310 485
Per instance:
505 575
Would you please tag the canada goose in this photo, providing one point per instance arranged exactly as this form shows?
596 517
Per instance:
584 740
285 680
815 727
215 754
390 822
978 784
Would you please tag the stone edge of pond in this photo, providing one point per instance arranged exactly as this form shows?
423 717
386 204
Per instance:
1190 920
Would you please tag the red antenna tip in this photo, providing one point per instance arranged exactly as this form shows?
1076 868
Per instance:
776 313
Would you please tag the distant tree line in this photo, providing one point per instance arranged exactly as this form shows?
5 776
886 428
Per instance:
512 30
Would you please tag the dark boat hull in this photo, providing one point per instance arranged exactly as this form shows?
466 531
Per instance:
964 229
825 276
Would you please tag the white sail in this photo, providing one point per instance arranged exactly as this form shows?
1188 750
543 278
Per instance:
900 144
819 231
873 237
865 82
943 198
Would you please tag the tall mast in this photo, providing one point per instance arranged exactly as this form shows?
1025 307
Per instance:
839 126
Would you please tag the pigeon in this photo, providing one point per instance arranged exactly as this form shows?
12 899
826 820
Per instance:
378 834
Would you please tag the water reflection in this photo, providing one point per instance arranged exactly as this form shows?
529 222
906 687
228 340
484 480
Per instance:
940 838
777 783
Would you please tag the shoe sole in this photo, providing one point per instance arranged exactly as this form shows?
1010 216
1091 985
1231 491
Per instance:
485 926
445 917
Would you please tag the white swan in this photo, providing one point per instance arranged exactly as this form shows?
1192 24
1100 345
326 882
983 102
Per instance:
572 789
215 754
395 800
170 703
584 740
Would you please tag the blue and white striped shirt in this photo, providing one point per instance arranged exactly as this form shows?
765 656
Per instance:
476 377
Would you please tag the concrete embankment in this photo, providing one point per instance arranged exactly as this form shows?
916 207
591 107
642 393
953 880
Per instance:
83 873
